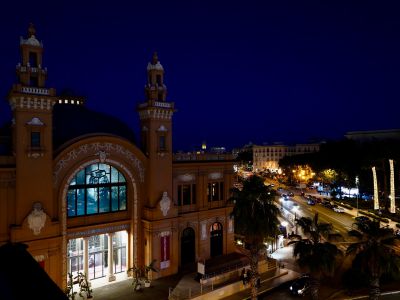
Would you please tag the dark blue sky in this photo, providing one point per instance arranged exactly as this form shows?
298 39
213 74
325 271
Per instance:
238 71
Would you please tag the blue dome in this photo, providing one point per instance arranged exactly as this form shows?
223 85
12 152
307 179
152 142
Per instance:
73 121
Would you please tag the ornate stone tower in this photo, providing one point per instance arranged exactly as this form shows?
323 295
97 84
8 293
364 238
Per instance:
156 133
32 106
159 213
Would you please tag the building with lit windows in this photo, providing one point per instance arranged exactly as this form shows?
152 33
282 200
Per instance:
267 157
373 135
84 196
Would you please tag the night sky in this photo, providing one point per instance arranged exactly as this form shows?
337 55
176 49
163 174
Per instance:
238 71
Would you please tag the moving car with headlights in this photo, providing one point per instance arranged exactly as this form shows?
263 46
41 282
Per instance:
300 286
338 209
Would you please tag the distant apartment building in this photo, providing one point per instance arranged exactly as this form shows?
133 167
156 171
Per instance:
373 135
267 157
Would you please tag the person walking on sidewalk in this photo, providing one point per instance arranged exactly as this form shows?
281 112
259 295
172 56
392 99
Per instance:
242 276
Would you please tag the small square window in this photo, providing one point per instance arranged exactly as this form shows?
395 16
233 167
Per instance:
162 143
35 139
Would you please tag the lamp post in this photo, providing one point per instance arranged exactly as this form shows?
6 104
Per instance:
358 192
295 209
284 224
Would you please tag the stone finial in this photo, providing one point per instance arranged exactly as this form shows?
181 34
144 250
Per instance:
31 30
154 60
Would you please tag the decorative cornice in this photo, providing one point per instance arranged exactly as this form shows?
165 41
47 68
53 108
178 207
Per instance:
97 231
31 103
156 113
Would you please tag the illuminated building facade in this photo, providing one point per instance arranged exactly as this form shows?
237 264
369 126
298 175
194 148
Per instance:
83 196
267 157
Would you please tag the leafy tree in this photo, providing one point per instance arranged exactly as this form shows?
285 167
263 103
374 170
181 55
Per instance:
315 256
256 219
373 255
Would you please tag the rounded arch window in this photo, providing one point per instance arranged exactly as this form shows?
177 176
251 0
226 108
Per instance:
98 188
216 227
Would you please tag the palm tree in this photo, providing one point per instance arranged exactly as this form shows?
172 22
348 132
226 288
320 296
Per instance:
317 257
373 255
256 219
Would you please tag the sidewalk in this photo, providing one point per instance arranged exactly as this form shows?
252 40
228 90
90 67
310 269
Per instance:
123 290
281 276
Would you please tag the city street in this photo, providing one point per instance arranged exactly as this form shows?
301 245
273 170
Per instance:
342 222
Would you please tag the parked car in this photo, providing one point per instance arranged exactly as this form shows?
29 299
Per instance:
311 202
327 204
300 286
362 219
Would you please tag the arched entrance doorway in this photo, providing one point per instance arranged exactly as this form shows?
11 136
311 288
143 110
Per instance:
188 251
216 239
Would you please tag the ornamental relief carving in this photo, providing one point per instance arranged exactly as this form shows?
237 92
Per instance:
220 219
192 224
215 175
102 151
204 230
162 233
186 177
37 218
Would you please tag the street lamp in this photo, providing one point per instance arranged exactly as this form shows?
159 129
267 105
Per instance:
295 209
358 192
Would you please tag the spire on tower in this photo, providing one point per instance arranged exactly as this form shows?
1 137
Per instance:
154 60
31 30
155 89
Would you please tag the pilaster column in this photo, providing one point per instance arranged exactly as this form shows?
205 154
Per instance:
86 256
111 276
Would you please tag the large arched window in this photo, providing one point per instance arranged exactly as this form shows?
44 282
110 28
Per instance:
98 188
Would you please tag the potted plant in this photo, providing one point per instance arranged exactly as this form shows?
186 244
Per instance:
136 274
69 291
85 290
147 269
141 275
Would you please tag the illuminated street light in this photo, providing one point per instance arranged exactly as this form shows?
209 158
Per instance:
358 192
295 209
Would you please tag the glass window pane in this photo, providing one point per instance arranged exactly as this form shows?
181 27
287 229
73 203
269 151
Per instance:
179 195
105 167
81 201
102 189
92 201
104 195
114 175
80 177
121 177
122 198
186 194
193 194
35 139
71 203
114 198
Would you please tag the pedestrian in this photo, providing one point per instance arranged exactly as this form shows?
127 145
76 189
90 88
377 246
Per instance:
244 277
248 275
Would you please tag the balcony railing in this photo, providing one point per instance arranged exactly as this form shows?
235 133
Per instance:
156 104
202 156
34 90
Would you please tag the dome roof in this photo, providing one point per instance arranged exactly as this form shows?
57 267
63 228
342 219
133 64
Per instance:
31 41
74 121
